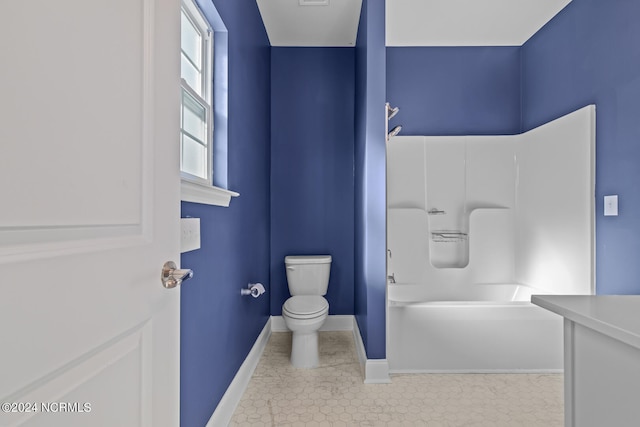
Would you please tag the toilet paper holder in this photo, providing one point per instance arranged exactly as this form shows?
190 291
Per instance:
253 289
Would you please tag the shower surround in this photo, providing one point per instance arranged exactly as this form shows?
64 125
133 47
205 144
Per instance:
475 226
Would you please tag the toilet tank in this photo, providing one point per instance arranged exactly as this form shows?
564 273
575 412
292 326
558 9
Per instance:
308 275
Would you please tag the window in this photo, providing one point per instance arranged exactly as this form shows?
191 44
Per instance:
205 81
196 118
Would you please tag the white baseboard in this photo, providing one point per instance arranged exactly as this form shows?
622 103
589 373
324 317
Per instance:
374 371
227 406
278 325
335 322
360 350
477 371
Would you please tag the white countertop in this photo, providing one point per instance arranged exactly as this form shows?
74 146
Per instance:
617 316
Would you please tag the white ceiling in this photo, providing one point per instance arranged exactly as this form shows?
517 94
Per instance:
319 23
467 22
409 22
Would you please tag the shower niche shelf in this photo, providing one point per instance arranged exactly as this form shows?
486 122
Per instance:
448 236
449 249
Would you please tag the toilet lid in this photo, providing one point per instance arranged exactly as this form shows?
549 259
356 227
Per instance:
305 305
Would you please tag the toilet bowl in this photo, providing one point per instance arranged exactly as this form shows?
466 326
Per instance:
306 310
304 315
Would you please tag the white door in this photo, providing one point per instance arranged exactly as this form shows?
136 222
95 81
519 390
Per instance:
89 212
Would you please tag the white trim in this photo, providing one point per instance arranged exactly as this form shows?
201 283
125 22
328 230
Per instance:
360 350
195 13
476 371
205 194
338 322
207 142
227 406
374 371
334 322
278 325
205 98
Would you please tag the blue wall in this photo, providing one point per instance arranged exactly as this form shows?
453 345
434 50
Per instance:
312 149
218 326
370 180
589 54
293 123
455 90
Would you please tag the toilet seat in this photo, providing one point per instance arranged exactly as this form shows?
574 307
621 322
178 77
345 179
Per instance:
305 307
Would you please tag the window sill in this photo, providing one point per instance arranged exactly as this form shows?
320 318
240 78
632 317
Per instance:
206 195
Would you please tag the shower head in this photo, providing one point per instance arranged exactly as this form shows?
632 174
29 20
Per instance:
391 111
396 130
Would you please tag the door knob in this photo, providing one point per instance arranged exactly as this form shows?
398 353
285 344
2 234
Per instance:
172 276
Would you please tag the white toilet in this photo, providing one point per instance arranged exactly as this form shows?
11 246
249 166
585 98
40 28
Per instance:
306 311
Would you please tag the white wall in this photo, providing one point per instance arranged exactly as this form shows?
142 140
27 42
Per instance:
445 173
555 204
472 180
406 184
524 201
490 199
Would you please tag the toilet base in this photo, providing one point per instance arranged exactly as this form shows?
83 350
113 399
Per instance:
304 350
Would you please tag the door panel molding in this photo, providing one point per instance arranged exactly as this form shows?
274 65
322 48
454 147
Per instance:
27 237
56 386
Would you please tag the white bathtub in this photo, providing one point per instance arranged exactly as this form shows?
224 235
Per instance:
471 328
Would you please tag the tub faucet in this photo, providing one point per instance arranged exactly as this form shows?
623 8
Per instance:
392 278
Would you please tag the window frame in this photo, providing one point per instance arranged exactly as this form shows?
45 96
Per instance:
193 14
213 190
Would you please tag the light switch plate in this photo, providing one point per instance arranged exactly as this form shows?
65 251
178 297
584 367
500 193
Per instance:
189 234
611 205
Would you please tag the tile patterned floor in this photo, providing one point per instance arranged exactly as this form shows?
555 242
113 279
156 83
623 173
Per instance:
334 394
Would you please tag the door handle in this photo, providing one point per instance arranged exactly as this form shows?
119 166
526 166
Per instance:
172 276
